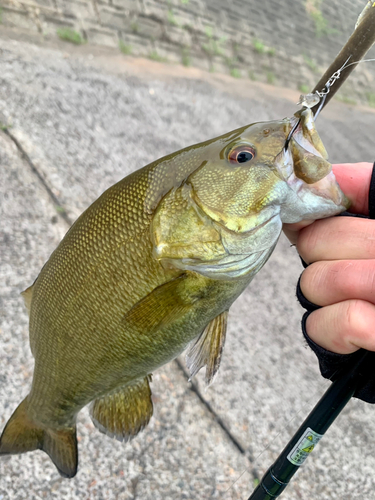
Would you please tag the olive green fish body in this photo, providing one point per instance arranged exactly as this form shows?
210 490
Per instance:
80 300
153 266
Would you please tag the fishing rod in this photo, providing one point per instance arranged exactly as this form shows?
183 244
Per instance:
346 380
361 40
344 385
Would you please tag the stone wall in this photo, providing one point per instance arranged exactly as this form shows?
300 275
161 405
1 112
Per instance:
283 43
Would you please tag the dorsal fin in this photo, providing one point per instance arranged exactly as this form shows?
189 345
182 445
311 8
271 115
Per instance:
27 296
207 349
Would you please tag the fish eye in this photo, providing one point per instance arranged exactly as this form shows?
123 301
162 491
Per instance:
241 154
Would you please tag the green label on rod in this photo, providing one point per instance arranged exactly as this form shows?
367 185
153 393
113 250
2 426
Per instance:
304 447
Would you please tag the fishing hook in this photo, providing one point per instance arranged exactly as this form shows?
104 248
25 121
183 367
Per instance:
290 135
322 97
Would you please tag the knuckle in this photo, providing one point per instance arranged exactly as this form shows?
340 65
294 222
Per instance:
353 314
356 279
313 277
369 238
345 279
307 242
359 320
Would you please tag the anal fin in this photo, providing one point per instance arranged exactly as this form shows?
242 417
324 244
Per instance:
208 348
125 412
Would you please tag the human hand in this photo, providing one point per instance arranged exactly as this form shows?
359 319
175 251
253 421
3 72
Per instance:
341 274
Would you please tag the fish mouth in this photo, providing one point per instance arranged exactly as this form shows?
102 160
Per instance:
303 155
303 161
309 133
308 152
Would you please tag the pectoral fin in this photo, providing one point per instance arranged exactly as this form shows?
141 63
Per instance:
165 304
207 350
125 412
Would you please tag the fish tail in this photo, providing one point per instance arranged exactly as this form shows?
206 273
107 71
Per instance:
21 434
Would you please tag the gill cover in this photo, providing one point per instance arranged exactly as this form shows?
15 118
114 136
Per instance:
225 218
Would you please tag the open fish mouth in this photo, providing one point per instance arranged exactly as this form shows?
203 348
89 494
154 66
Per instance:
307 150
303 164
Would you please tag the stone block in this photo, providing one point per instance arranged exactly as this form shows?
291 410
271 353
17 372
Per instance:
113 18
200 24
196 7
78 9
169 51
139 45
156 9
242 38
46 3
101 36
200 38
184 18
18 18
148 27
51 23
130 5
178 35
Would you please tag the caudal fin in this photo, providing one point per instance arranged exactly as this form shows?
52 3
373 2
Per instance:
21 434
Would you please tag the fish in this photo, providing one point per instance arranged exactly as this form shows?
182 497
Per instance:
151 269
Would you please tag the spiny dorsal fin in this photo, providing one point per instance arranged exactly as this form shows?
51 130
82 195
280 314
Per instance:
207 349
27 296
124 413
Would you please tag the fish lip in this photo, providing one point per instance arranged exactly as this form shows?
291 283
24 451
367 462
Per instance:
304 154
306 138
306 134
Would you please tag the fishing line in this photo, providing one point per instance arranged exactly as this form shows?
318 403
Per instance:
336 75
309 100
331 81
357 62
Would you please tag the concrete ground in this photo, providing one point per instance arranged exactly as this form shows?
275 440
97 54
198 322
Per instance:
79 121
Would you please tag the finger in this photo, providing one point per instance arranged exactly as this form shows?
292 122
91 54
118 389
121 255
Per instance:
292 230
344 327
354 180
328 282
337 238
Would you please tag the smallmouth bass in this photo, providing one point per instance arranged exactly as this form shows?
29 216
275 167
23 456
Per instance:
152 267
